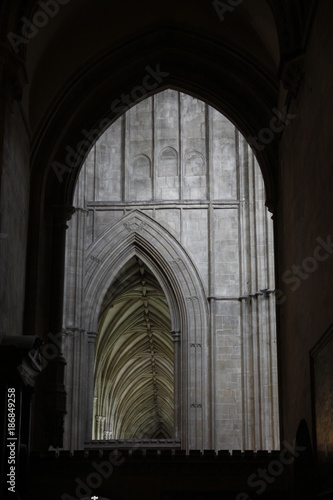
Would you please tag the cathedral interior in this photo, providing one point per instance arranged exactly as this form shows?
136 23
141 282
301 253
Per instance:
166 249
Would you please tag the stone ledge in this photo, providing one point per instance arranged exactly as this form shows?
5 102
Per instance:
156 451
132 444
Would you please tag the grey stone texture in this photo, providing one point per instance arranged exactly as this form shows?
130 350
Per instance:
14 209
174 183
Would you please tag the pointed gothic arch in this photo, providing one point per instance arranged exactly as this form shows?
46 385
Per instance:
139 234
136 234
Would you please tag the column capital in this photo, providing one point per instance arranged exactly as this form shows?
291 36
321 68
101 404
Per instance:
292 71
176 336
62 214
22 354
92 336
271 206
71 331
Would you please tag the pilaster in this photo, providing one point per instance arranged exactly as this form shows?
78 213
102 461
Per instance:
55 394
176 337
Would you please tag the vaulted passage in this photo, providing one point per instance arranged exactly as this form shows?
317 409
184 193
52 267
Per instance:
134 395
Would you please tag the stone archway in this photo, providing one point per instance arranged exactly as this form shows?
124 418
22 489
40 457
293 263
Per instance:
138 235
80 103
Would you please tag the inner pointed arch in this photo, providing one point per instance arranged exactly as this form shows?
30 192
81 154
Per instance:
134 365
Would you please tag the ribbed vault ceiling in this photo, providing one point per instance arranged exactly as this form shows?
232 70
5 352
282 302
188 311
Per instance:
134 357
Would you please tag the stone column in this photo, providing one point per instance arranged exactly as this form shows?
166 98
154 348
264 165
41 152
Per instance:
69 346
102 427
248 440
77 383
177 383
98 419
79 406
55 394
100 424
107 435
94 429
91 401
257 308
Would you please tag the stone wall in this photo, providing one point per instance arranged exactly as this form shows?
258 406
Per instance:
305 213
15 185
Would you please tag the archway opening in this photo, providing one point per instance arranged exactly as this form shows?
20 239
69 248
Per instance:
134 360
174 183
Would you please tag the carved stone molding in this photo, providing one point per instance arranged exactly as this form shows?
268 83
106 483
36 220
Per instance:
22 355
176 337
135 226
95 259
271 205
62 214
92 336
